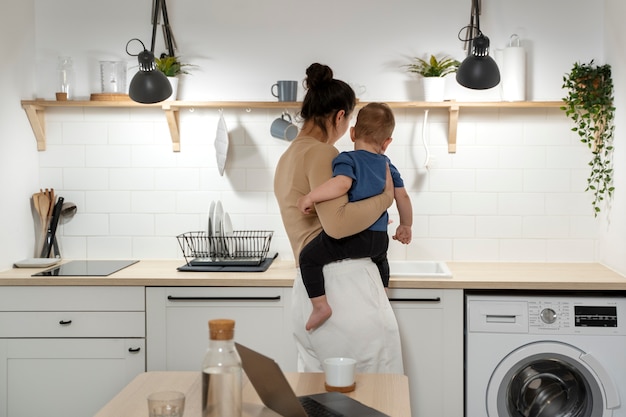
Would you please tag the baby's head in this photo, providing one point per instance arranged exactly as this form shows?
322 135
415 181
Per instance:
374 123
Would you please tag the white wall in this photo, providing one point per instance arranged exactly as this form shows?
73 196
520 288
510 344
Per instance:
512 192
19 171
613 231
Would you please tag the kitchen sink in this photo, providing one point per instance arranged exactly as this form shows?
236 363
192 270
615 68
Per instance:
420 269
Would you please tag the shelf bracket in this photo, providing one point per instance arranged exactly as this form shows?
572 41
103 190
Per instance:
36 118
453 123
173 122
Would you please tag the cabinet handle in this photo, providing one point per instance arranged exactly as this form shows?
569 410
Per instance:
418 300
65 322
174 298
134 350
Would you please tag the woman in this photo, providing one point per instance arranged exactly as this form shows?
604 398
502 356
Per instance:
362 325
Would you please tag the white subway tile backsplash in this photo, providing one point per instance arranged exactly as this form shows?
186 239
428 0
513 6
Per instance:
62 156
130 133
85 178
514 191
108 247
545 227
479 157
153 201
474 204
521 203
156 248
452 226
546 180
499 227
153 156
571 250
504 181
523 157
455 180
176 178
430 249
470 249
85 133
87 224
131 178
131 224
108 156
107 201
523 250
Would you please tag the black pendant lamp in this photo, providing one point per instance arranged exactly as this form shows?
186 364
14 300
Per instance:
478 71
149 85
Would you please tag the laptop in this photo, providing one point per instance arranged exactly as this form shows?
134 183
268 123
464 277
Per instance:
274 390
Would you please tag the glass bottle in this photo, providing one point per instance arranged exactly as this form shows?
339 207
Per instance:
221 372
66 76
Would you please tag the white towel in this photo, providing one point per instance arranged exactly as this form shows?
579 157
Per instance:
221 144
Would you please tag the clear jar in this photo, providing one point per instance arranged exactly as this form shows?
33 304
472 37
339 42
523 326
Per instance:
221 372
66 76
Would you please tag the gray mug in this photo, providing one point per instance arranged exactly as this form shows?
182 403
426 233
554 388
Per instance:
282 128
285 90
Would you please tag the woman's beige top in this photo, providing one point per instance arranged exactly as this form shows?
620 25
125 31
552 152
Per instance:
306 164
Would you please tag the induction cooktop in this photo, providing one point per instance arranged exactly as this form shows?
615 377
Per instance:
101 268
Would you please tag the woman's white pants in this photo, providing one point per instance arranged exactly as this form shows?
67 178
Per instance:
362 326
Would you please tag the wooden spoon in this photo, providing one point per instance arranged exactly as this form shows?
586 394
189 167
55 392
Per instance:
44 211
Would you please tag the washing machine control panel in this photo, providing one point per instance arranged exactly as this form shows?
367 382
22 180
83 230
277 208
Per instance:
562 315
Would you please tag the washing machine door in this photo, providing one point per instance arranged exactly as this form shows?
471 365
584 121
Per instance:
549 379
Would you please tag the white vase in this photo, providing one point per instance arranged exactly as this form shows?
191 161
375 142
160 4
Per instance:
434 88
174 82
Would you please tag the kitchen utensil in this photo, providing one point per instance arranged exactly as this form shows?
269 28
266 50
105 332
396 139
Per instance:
51 232
221 144
210 226
36 262
218 226
227 228
68 210
282 128
285 90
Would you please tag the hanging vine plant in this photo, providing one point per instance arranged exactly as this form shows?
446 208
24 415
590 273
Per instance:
589 103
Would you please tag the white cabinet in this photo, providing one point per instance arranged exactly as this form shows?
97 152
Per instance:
431 330
66 351
178 332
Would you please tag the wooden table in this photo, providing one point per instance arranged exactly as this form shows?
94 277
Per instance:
388 393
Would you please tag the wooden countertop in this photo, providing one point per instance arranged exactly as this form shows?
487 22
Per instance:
386 392
465 275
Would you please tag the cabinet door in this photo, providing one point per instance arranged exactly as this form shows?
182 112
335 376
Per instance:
177 323
65 377
431 331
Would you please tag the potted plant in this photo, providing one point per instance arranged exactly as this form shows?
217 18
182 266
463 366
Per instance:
171 67
433 70
589 103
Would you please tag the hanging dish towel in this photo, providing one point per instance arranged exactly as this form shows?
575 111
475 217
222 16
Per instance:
221 144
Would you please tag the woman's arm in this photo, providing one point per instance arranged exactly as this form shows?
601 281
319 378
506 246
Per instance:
338 217
333 188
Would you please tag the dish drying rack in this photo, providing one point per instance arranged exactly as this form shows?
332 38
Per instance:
242 247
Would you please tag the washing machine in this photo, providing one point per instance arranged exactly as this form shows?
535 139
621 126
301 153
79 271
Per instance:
545 355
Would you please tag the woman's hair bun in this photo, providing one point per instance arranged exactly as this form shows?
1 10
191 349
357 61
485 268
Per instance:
317 75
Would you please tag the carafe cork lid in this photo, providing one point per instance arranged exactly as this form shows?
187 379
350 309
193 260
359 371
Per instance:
221 329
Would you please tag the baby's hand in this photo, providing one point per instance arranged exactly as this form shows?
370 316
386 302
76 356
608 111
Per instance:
403 234
305 205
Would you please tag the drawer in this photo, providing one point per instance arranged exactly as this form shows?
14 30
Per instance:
72 298
60 324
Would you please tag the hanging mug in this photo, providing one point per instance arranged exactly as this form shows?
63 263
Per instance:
283 128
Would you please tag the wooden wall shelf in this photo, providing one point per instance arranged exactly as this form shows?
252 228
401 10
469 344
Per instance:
35 111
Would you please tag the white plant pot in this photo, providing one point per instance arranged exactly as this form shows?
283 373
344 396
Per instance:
434 88
174 82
